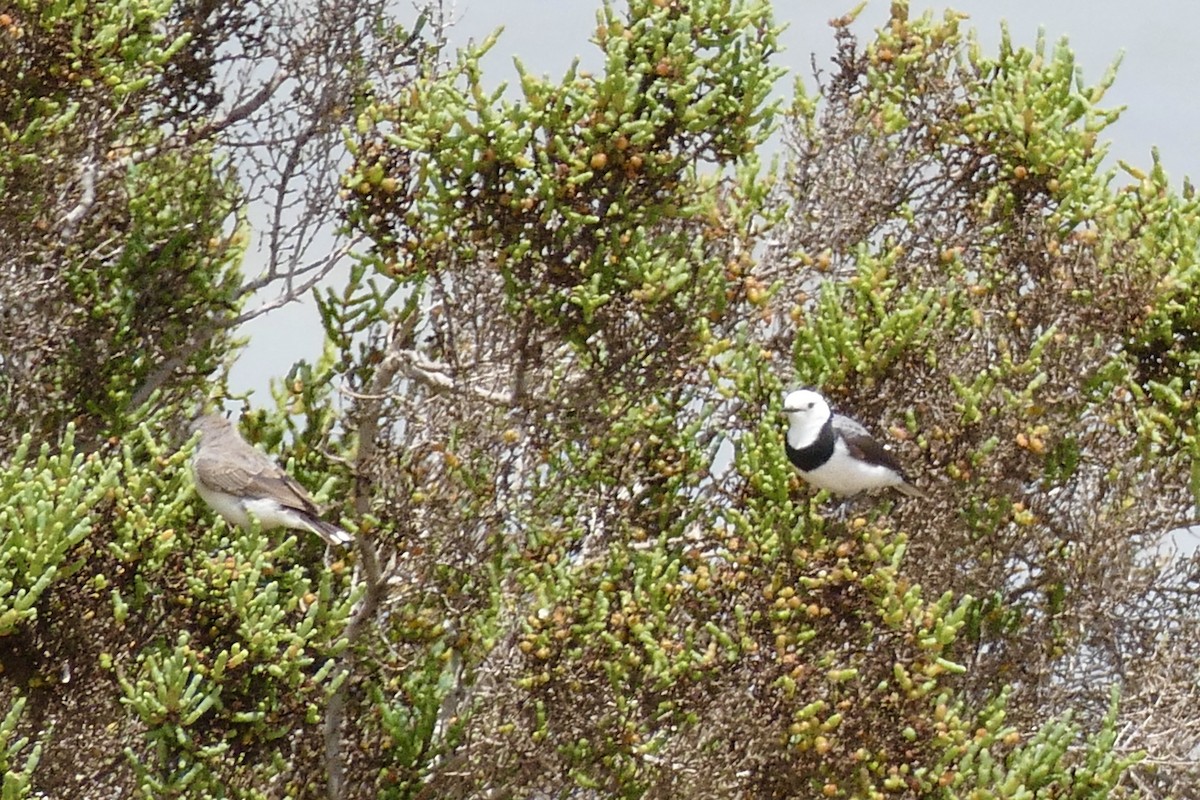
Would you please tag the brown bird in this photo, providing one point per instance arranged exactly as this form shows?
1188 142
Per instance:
239 482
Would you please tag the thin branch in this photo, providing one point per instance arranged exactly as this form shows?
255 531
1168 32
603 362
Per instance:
319 269
91 174
368 432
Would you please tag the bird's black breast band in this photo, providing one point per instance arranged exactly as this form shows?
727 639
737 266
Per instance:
814 455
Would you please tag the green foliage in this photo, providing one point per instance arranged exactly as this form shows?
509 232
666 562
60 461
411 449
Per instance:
260 658
650 591
572 193
997 761
170 697
121 230
413 720
41 523
870 322
1004 338
548 404
18 772
150 501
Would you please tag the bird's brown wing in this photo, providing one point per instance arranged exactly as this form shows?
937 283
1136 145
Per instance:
863 446
243 471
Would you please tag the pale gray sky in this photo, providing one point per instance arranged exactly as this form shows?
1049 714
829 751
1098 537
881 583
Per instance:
1158 82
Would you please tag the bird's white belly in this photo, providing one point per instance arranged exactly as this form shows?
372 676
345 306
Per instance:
842 474
238 511
228 506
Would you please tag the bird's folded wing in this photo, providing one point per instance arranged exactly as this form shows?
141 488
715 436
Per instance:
254 479
847 426
863 446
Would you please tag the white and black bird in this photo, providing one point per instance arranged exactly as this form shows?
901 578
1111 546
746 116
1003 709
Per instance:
238 481
836 453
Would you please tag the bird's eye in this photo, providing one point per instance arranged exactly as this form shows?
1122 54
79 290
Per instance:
810 405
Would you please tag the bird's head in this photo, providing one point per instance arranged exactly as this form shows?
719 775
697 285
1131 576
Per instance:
209 425
806 411
803 403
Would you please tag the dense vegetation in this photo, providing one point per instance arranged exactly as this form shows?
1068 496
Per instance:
548 406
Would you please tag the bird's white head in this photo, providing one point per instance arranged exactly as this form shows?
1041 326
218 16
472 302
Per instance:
807 413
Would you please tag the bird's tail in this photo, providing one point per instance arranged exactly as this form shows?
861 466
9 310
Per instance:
331 533
910 490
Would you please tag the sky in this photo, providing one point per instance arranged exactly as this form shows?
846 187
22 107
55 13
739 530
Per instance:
1158 83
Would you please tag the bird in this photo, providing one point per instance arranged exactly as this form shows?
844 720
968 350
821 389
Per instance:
239 482
836 453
